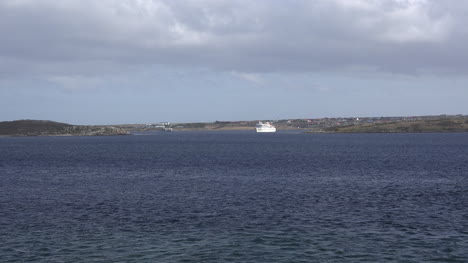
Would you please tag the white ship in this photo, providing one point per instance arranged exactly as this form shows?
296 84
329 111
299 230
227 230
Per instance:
265 127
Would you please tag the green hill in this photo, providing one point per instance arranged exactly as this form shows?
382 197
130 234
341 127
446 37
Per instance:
420 126
51 128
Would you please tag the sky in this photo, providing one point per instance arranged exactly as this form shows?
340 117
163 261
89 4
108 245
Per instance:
149 61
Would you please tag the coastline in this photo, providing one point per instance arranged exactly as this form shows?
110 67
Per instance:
418 124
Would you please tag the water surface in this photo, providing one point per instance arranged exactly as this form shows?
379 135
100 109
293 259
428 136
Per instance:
235 197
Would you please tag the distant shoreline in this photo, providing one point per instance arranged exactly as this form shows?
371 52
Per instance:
440 125
416 124
30 128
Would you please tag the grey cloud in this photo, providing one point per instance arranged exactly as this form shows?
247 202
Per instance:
91 37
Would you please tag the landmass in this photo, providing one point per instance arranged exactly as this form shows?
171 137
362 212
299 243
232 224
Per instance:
414 124
51 128
438 125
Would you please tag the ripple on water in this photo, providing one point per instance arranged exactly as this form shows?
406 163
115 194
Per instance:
235 197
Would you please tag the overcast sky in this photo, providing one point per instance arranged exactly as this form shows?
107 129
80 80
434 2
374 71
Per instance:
146 61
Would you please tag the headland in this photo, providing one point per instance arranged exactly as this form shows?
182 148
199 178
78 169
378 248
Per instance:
51 128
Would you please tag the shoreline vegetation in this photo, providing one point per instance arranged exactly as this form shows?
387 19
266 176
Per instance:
21 128
414 124
442 125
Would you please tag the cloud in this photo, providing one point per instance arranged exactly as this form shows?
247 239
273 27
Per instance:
249 77
412 22
87 37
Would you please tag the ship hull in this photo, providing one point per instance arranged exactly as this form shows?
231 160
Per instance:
265 129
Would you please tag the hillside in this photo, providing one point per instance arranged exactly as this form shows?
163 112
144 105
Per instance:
459 124
51 128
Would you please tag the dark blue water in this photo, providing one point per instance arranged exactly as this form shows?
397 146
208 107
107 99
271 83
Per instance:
235 197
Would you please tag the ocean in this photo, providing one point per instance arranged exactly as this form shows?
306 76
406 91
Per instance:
235 197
